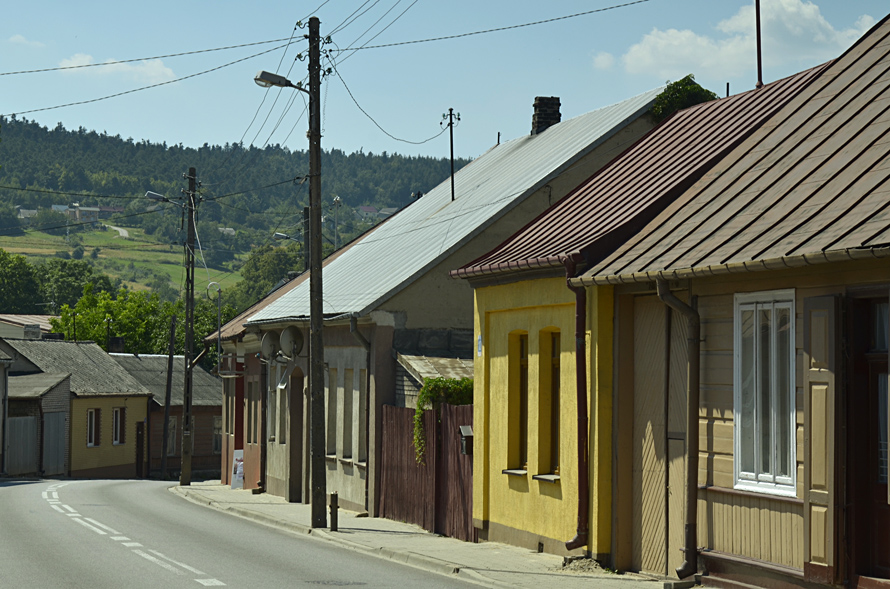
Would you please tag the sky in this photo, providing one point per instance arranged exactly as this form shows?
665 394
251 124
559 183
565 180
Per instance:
391 98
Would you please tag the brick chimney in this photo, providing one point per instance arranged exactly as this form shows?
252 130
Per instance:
546 113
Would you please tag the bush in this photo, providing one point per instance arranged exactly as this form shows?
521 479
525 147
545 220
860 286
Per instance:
435 391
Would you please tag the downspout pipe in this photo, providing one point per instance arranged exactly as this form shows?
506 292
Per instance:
581 535
690 564
353 329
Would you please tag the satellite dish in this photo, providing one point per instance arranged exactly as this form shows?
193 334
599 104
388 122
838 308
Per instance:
270 347
291 341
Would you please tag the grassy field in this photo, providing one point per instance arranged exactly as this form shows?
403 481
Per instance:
134 259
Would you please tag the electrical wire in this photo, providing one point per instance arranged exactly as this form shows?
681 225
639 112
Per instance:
117 62
401 14
499 29
80 194
116 95
344 23
387 133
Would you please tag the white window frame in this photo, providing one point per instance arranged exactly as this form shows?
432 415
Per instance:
758 481
91 428
116 425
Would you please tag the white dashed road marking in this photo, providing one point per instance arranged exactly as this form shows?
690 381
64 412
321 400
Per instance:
86 525
158 562
165 562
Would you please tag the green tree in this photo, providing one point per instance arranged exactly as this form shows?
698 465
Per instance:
61 282
9 221
265 267
678 95
18 285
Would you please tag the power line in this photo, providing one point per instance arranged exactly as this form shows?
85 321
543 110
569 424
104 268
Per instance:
61 193
24 112
401 14
387 133
499 29
117 62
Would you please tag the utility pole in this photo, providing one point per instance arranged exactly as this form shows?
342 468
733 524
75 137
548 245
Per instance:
318 477
336 223
759 60
185 473
451 116
167 392
306 240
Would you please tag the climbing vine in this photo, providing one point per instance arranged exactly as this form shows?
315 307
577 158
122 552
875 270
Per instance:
435 391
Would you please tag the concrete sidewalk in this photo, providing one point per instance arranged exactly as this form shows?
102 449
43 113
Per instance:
488 564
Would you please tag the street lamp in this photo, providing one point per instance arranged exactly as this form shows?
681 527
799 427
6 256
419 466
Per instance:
318 470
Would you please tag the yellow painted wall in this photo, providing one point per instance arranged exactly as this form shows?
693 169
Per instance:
106 454
539 508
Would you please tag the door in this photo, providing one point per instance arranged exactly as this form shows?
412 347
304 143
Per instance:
54 450
22 446
659 436
867 426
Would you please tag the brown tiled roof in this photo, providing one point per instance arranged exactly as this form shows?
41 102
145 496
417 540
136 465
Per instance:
811 185
626 194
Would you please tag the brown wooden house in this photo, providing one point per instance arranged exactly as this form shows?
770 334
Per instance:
759 298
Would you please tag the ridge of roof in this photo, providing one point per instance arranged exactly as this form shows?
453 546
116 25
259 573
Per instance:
624 195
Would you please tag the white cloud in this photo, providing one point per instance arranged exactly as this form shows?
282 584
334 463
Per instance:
794 32
20 40
603 61
151 71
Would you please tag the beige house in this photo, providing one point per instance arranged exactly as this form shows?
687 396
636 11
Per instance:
389 293
751 322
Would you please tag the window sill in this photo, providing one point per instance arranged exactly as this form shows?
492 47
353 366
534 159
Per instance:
763 494
331 457
362 464
515 472
547 478
346 460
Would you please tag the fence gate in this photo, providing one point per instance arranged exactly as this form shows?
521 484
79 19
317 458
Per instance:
437 494
22 446
54 443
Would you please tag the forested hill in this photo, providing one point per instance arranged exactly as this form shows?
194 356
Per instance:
250 183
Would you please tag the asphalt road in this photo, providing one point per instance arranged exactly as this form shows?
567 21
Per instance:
133 534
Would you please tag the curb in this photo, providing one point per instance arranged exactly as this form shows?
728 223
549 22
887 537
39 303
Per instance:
413 559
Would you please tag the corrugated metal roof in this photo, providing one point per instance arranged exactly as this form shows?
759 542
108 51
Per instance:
421 367
811 181
22 320
421 235
235 328
151 371
93 372
637 185
34 386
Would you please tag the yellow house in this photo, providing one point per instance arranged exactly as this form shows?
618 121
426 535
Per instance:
751 378
543 470
108 406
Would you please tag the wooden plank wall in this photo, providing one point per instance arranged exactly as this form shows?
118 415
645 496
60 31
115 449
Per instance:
757 527
454 479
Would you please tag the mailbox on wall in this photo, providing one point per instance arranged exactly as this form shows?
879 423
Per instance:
466 440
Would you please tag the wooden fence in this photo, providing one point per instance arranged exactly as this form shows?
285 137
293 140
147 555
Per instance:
437 494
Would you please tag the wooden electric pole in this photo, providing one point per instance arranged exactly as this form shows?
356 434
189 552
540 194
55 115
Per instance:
318 476
167 394
451 116
185 473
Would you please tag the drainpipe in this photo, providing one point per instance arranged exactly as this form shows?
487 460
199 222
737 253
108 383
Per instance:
580 538
353 329
690 564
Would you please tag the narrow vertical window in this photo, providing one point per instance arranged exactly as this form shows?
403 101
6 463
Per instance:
332 412
283 412
554 403
347 412
117 426
523 401
362 415
92 428
217 434
171 437
764 431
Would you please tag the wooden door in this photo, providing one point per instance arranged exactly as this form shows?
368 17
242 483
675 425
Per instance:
867 484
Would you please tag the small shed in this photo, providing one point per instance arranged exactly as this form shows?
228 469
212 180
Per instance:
39 418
